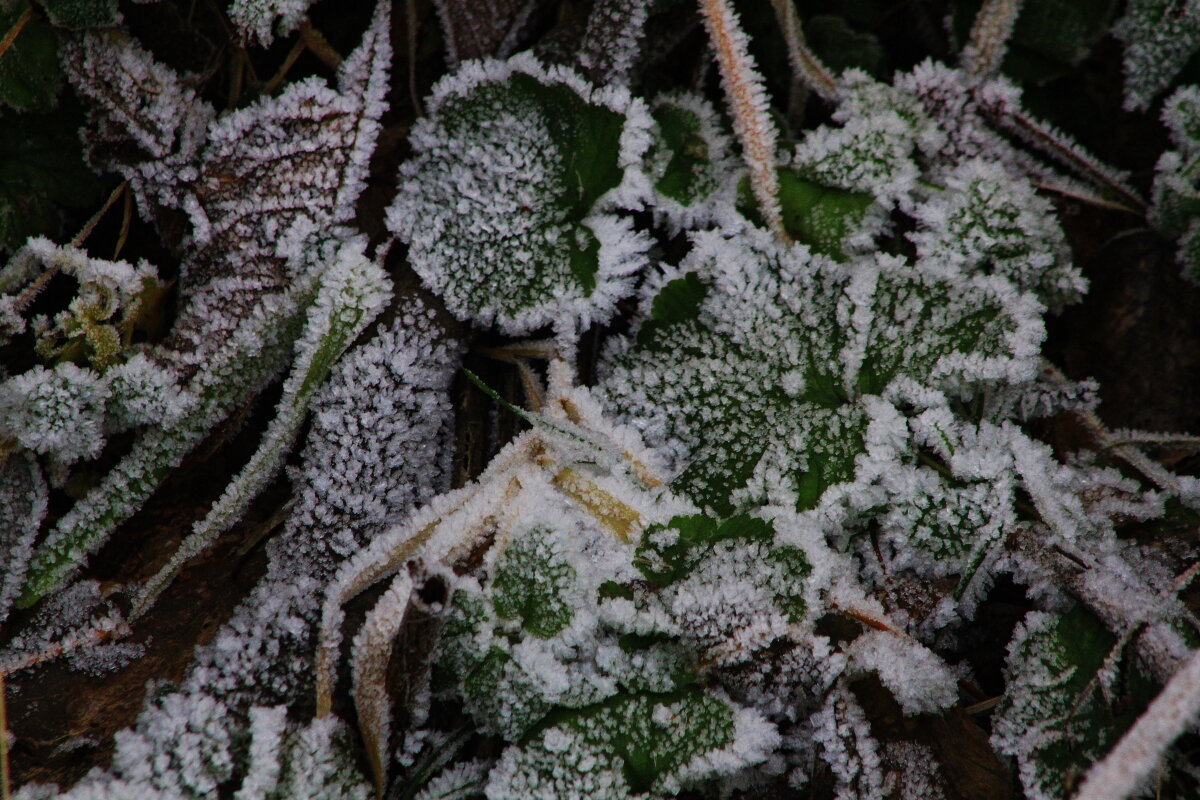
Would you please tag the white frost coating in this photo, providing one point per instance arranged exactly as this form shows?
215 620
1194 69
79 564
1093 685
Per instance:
612 42
267 728
482 208
1175 710
353 291
1160 36
162 114
919 680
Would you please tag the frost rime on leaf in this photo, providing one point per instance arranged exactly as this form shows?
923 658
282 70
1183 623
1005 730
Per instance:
508 205
253 182
353 291
380 444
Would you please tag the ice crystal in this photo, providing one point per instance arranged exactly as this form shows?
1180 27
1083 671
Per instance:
509 205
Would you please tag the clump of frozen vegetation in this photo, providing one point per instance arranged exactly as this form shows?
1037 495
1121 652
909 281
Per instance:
739 563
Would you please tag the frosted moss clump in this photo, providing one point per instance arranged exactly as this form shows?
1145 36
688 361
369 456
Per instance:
509 204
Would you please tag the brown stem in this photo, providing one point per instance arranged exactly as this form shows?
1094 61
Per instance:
15 30
315 41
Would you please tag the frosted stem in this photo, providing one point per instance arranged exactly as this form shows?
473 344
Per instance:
805 64
748 102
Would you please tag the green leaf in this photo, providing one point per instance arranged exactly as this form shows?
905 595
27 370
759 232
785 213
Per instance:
670 553
814 214
629 744
76 15
30 76
531 585
41 170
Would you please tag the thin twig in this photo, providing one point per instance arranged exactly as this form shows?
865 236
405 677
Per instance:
807 67
288 62
748 103
126 221
410 42
316 42
15 30
91 224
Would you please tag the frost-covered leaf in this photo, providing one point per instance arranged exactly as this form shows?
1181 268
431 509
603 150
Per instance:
255 353
254 182
773 349
844 737
1176 208
482 28
508 205
269 177
612 42
1160 36
22 506
986 222
58 412
689 163
30 76
1060 711
873 150
633 744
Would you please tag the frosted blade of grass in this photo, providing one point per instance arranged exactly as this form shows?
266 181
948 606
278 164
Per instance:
351 295
22 506
252 357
